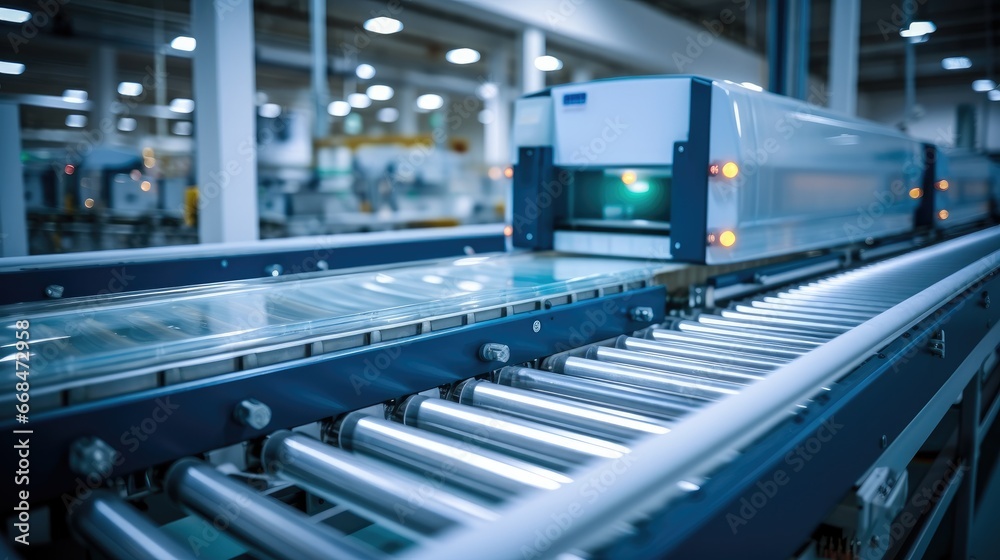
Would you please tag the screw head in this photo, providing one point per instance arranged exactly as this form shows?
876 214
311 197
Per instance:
643 314
54 291
252 413
494 352
884 441
536 326
91 456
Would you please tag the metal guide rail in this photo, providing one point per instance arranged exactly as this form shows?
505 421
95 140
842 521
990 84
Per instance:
569 455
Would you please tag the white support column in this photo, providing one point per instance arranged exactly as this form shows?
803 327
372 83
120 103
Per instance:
496 133
225 122
320 85
532 47
13 226
845 17
407 125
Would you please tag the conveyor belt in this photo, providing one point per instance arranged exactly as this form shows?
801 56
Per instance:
527 432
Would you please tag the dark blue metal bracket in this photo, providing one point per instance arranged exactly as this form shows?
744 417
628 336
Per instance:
29 285
689 190
157 426
770 499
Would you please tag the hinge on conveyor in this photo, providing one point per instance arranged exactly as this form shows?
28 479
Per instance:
936 344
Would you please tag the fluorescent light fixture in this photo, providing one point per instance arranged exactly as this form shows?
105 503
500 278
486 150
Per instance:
387 114
76 121
365 71
487 90
384 25
918 29
269 110
182 105
127 124
380 92
956 63
462 56
548 63
359 100
751 85
919 39
993 94
130 89
983 85
13 68
184 43
430 102
14 16
339 108
74 96
183 128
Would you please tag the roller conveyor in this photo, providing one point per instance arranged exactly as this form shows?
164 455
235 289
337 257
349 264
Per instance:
525 432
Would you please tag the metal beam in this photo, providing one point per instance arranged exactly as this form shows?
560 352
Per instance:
13 229
224 87
845 28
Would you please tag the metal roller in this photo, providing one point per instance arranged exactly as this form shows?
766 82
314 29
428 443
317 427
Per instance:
743 332
482 471
108 524
733 357
718 343
625 397
787 331
750 310
269 526
827 305
674 384
830 328
537 443
819 311
683 366
833 299
597 421
406 502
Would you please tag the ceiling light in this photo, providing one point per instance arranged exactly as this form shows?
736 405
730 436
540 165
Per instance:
917 29
181 105
430 102
365 71
993 94
487 90
76 121
380 92
919 39
983 85
956 63
339 108
183 128
387 114
127 124
384 25
462 56
269 110
130 89
14 16
184 43
359 100
751 85
13 68
548 63
74 96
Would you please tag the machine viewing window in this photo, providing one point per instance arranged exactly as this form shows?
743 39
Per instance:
620 198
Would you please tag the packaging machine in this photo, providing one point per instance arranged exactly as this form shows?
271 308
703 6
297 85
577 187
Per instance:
829 398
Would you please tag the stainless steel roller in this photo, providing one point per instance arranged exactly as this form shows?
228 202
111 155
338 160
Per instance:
597 421
673 384
536 443
405 502
749 310
827 328
269 526
828 305
108 524
482 471
789 332
668 364
717 343
819 311
614 395
733 357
